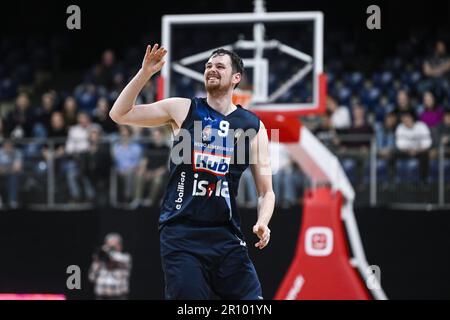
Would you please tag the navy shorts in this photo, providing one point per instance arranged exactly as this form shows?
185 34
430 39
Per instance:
204 262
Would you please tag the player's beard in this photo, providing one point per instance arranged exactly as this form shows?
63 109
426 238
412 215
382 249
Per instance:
215 88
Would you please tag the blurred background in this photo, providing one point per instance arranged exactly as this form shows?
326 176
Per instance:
69 176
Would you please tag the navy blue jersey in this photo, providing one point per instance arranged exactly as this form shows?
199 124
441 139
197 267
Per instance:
215 150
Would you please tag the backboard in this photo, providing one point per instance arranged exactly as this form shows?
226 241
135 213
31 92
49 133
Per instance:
282 53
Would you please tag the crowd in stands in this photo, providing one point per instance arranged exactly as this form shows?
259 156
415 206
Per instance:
403 108
75 131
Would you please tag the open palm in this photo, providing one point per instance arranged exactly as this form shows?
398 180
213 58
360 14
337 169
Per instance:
153 60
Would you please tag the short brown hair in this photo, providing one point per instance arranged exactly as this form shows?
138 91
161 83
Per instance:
236 61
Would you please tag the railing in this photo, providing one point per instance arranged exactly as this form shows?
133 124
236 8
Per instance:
46 177
44 180
394 180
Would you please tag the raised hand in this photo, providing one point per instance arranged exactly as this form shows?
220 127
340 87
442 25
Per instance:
153 60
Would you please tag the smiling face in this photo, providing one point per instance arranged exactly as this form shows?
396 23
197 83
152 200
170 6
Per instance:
219 75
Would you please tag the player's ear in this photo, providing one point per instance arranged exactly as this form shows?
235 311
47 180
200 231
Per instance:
236 78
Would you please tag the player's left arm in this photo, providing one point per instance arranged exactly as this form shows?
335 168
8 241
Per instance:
262 174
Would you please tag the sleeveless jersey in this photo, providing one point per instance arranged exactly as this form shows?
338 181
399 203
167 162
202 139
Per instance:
207 159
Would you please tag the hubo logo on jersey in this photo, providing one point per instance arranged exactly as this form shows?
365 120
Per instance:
212 163
205 188
319 241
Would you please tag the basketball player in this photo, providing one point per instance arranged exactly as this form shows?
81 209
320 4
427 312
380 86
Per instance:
202 247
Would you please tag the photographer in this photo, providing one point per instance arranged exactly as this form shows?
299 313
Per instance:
110 270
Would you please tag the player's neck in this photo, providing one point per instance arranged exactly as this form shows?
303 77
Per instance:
221 103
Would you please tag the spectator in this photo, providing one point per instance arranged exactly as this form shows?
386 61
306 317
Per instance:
325 132
57 127
438 64
11 165
431 114
385 136
107 69
354 144
359 127
385 141
56 131
403 103
86 95
77 145
382 108
43 114
101 116
128 160
444 131
96 164
110 270
57 134
77 139
19 121
340 116
70 110
156 163
413 141
441 135
436 69
118 85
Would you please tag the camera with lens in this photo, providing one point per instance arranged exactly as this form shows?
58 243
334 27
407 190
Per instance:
105 254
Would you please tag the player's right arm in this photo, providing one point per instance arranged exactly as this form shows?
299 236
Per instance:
124 110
